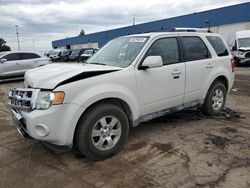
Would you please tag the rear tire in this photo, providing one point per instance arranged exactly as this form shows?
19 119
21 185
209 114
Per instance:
215 99
102 131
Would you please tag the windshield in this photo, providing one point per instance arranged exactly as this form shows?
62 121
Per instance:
244 42
87 52
119 52
65 52
75 52
55 52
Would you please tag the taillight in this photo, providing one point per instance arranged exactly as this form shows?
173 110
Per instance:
233 65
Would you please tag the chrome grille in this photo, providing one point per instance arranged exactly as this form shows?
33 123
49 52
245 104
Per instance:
23 98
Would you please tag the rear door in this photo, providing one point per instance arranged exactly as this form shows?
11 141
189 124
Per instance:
29 61
11 68
162 87
199 64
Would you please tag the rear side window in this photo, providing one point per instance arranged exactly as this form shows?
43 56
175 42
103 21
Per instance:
218 45
11 57
194 49
24 56
167 48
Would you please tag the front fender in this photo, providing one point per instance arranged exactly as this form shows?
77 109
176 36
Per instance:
99 92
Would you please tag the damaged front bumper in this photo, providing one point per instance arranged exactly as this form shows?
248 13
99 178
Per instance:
55 125
19 123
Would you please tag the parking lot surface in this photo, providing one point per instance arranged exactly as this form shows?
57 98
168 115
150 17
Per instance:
185 149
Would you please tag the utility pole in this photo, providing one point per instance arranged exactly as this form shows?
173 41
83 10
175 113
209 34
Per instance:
133 20
17 35
76 29
33 43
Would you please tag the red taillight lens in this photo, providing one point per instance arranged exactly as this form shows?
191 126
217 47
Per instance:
233 65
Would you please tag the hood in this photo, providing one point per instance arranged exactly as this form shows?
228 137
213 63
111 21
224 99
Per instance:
52 75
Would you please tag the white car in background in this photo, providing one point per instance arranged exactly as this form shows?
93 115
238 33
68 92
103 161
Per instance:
55 55
14 64
88 53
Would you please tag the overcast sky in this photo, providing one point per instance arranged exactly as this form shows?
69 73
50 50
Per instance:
41 21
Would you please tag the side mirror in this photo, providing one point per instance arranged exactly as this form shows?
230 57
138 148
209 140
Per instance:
3 60
233 48
151 62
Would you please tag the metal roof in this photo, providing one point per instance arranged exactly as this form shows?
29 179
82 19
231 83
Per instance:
220 16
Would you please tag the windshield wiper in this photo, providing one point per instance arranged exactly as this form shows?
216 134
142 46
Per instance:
98 63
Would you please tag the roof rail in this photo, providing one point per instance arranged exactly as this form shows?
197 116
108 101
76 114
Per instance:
188 29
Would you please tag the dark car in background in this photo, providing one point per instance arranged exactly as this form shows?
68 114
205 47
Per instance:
65 55
55 55
88 53
76 54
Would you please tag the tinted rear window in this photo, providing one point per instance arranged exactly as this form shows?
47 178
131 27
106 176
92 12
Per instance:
218 45
28 56
194 48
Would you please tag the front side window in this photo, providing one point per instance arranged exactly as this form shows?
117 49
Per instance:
56 53
65 52
119 52
218 45
75 52
167 48
194 48
11 57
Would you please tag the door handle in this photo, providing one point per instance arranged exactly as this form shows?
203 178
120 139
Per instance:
176 72
209 66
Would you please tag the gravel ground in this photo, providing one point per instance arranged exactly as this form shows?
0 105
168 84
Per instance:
185 149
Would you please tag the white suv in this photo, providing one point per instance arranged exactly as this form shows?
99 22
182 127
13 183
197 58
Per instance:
130 80
14 64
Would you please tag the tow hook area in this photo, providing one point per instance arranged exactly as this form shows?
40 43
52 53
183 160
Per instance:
23 133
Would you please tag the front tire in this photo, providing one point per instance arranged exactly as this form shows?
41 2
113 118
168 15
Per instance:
215 99
102 131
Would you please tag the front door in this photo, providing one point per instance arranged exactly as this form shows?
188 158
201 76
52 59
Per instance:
162 87
11 68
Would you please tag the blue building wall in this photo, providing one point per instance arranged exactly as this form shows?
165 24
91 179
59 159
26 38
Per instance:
221 16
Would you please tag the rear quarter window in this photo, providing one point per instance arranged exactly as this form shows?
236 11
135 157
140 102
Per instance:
218 45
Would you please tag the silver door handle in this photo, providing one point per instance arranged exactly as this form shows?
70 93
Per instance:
176 72
209 65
